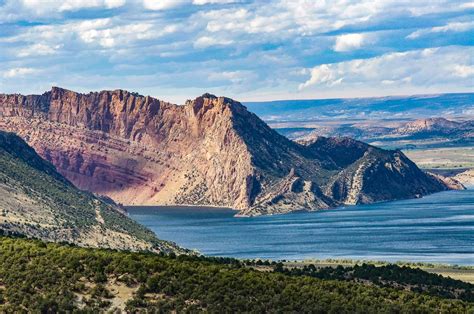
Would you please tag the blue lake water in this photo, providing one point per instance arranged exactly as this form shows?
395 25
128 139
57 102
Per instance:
438 228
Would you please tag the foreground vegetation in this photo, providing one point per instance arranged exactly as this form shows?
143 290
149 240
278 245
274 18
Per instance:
459 272
408 278
40 277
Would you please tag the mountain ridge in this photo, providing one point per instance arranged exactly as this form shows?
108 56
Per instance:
211 151
436 130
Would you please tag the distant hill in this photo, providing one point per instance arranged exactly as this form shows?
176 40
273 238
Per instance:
36 201
436 127
433 131
211 151
396 107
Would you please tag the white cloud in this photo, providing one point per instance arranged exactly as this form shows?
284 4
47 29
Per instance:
349 42
101 33
38 50
73 5
45 6
307 18
203 2
110 36
467 5
324 74
247 26
464 70
426 67
18 72
272 39
206 41
450 27
235 77
163 4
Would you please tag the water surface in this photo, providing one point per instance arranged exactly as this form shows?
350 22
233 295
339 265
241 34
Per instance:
438 228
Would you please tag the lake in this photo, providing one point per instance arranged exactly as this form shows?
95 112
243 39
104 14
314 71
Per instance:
438 228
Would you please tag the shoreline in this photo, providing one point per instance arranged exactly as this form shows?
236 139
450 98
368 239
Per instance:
183 205
238 211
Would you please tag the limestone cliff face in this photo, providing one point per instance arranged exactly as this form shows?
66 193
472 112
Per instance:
210 151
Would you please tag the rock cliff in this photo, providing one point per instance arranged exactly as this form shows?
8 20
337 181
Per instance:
211 151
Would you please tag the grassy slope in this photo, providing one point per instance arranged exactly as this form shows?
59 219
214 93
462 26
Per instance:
443 158
37 201
35 276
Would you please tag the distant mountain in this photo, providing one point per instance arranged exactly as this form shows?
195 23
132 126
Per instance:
211 151
396 107
435 127
407 134
36 201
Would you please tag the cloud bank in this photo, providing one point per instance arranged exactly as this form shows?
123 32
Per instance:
177 49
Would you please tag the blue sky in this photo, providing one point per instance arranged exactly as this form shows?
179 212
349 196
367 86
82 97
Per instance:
248 50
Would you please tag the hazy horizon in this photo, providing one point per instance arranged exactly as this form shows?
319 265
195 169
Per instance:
251 100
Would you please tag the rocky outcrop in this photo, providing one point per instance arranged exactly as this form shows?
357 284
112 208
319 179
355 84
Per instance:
427 125
367 174
210 151
466 177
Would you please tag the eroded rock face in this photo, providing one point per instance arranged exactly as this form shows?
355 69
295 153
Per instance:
428 125
211 151
466 177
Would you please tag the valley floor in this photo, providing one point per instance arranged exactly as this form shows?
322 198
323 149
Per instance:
443 158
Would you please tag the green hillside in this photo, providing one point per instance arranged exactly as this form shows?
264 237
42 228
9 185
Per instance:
39 277
36 201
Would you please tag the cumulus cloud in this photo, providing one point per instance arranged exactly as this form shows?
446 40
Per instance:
426 67
349 42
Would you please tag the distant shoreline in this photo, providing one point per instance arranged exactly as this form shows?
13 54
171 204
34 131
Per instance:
214 207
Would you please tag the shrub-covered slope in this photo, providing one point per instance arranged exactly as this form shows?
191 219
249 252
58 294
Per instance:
38 277
37 201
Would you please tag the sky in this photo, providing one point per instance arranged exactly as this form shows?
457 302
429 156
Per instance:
249 50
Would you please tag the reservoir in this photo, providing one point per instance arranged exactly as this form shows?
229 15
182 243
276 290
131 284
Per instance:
438 228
